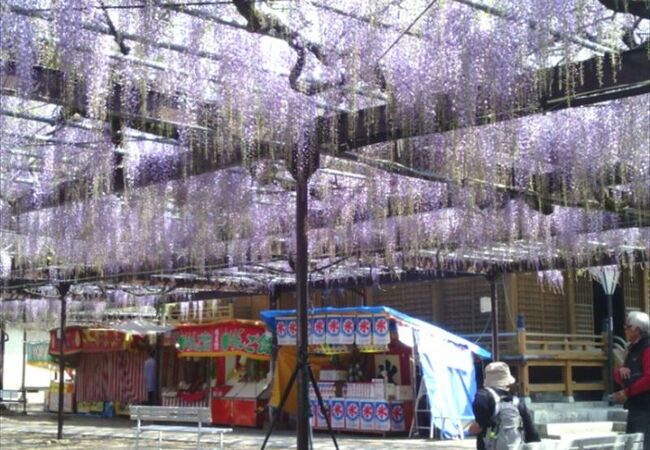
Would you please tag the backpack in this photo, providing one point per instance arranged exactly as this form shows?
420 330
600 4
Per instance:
505 431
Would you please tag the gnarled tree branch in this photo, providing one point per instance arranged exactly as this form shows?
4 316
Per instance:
266 24
124 49
639 8
308 88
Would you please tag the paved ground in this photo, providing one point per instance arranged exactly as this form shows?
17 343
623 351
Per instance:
39 430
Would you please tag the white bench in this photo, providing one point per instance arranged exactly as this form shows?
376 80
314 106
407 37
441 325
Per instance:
610 442
12 397
200 416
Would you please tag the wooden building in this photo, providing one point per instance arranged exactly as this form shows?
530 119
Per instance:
553 338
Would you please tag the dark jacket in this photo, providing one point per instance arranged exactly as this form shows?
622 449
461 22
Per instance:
637 387
483 407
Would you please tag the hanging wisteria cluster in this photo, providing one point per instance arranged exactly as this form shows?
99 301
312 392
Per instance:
82 306
237 77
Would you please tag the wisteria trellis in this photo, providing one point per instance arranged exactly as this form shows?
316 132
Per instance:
265 80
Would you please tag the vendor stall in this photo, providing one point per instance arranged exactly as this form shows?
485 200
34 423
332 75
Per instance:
366 359
108 368
235 355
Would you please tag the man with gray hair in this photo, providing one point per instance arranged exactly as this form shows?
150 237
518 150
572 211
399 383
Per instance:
634 376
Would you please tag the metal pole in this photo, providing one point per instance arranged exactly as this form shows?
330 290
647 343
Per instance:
63 291
3 338
302 421
159 372
22 382
494 316
273 305
610 344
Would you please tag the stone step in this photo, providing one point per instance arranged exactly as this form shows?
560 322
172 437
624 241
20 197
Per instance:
617 415
569 415
576 412
577 429
564 405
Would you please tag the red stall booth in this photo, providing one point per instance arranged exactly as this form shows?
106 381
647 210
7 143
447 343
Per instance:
107 365
239 371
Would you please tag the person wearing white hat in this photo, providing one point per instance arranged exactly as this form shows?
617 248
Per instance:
494 405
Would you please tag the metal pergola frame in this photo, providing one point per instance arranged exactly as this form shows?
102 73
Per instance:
337 136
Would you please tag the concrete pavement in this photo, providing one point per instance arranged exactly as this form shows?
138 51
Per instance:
39 430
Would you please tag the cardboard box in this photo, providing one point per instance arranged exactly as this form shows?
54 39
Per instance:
390 391
404 392
333 375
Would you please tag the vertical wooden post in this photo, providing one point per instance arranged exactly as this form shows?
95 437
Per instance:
645 288
511 292
568 380
437 298
521 341
370 295
524 380
570 295
521 351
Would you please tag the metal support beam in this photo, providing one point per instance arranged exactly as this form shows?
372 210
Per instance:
608 277
23 365
602 79
274 297
494 314
159 373
610 343
302 261
304 162
4 337
63 288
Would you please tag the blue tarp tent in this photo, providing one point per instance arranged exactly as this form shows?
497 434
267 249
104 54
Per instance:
446 359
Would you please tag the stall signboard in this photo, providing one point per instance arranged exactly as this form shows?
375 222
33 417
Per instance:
338 329
363 335
292 329
232 337
352 414
381 419
380 331
397 417
367 415
317 330
333 329
337 413
98 340
286 329
37 353
72 343
347 330
313 406
88 340
321 420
